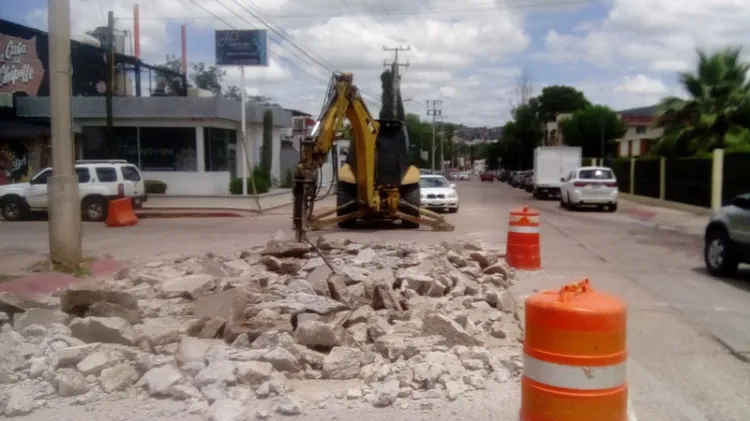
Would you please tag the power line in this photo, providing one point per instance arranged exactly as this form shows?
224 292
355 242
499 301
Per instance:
507 5
287 60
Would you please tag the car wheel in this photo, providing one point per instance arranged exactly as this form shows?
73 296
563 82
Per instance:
612 208
453 210
570 206
13 209
562 203
94 209
719 254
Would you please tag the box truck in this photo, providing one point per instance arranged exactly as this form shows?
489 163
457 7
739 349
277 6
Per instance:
551 163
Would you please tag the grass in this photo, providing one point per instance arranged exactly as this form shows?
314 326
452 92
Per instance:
6 278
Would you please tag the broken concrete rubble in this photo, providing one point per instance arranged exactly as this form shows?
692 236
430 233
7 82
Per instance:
403 320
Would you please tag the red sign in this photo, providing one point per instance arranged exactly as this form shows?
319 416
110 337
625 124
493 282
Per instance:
20 67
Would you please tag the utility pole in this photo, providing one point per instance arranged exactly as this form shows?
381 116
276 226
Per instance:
395 72
601 136
109 83
442 143
65 240
434 110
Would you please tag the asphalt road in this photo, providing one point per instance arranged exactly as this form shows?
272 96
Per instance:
689 333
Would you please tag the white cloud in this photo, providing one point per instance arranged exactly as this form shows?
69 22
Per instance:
460 52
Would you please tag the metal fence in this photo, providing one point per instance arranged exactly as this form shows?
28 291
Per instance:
688 180
736 176
647 177
621 168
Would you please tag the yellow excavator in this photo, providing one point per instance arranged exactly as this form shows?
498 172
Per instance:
376 182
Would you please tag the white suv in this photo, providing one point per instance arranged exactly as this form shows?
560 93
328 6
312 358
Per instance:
587 186
98 182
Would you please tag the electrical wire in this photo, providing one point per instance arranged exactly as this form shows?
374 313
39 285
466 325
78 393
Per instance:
504 5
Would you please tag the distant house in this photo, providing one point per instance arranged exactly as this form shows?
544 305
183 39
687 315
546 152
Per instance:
640 135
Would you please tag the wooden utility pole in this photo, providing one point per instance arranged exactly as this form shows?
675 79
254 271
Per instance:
395 73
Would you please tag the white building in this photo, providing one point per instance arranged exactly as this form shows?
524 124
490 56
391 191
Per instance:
190 143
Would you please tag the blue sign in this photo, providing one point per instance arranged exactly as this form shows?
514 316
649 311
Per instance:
241 48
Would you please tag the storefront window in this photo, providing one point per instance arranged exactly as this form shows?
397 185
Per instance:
125 147
168 149
216 148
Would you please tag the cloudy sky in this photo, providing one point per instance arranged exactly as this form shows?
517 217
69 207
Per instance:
622 53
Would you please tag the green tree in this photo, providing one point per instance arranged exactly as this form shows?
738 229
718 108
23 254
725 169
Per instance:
420 139
718 107
266 151
233 92
559 99
590 128
171 83
207 77
386 109
387 98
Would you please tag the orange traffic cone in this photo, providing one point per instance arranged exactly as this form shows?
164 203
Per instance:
120 213
522 250
575 356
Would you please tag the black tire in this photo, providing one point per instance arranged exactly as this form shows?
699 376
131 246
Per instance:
570 206
612 208
14 209
453 210
563 205
94 209
410 194
345 193
720 254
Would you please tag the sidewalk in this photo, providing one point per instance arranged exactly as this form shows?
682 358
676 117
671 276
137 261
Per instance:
268 201
665 218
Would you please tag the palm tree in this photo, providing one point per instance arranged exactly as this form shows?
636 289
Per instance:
719 103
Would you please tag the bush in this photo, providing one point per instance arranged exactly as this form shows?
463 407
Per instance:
155 186
288 182
262 183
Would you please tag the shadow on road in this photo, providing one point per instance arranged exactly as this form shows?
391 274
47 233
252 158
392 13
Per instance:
740 281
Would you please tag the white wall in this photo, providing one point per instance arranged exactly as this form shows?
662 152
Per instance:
198 182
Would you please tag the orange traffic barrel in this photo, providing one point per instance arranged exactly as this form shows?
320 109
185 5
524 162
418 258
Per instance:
522 250
120 213
575 356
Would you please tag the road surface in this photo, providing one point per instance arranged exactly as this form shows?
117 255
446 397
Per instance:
689 334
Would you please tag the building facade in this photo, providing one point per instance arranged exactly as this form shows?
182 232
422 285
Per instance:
640 134
187 140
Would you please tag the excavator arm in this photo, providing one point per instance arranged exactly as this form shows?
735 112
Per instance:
344 102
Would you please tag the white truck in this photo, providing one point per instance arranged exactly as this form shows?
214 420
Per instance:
551 164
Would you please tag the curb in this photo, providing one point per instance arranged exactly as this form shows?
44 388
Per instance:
157 213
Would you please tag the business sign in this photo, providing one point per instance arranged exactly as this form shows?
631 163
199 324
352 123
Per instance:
241 48
21 70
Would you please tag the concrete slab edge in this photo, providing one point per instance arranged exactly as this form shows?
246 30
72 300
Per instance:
698 210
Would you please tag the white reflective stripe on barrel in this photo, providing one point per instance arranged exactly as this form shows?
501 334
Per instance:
520 229
530 219
574 377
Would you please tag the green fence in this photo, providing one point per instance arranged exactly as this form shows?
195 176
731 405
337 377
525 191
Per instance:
736 177
688 180
588 162
646 177
621 168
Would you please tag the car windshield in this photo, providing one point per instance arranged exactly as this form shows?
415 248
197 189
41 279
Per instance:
596 174
433 182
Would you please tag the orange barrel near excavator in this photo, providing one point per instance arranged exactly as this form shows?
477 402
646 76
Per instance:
575 356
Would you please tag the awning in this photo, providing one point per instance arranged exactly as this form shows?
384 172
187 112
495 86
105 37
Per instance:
10 129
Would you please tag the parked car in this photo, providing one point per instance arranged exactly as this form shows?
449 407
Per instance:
586 186
464 175
503 175
487 176
528 182
727 238
438 193
98 182
517 179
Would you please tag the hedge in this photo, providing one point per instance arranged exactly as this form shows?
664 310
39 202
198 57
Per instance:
155 186
262 183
